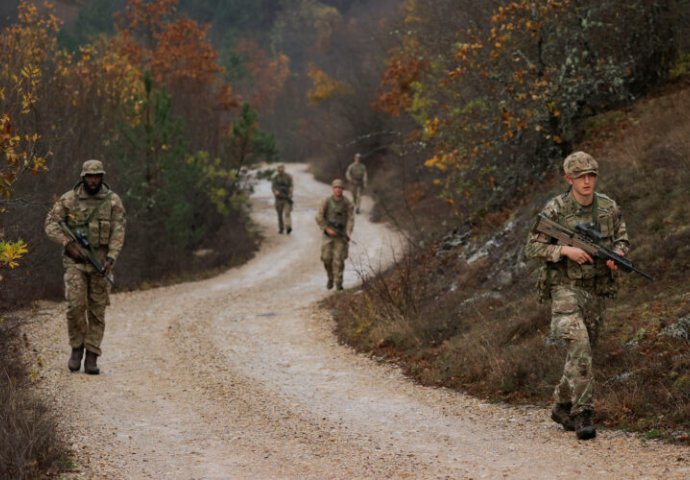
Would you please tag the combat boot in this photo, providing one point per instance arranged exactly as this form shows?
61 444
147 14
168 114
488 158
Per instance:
329 285
560 413
339 286
583 425
289 230
74 363
90 363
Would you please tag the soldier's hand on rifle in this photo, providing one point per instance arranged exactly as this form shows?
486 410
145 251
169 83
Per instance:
576 254
330 232
108 266
611 264
73 251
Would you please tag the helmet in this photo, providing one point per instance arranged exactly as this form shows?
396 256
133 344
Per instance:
579 163
280 168
92 167
337 183
358 156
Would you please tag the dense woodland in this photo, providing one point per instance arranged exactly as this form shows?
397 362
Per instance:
461 108
465 102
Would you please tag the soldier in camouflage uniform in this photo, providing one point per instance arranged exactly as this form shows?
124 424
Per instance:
356 175
336 220
92 208
577 286
282 190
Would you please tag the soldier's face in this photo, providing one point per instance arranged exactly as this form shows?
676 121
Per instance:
337 192
92 183
583 185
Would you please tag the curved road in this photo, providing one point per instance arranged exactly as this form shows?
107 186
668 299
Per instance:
240 377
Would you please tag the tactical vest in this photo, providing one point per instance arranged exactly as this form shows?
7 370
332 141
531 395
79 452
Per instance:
336 212
91 216
357 171
282 183
597 277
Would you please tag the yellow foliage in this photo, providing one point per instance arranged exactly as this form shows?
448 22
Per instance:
446 161
10 252
25 47
324 87
33 37
431 127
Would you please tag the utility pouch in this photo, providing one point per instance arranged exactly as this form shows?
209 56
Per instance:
103 232
544 284
605 285
576 271
94 233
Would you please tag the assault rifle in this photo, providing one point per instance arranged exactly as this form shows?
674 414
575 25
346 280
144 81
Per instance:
588 239
84 247
284 194
339 231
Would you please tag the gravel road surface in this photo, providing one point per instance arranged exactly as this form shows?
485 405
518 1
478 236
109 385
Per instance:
240 377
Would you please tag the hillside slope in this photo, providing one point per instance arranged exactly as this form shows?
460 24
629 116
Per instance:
463 313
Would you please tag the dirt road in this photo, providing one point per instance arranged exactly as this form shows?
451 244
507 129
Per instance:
240 377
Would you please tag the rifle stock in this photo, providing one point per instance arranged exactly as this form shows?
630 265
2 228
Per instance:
84 246
588 239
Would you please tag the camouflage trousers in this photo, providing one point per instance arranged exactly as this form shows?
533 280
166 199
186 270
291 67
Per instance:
284 209
86 292
333 254
356 189
576 317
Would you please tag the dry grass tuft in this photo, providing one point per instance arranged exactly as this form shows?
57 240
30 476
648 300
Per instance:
29 446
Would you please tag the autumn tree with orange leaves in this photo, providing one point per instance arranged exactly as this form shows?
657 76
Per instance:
181 59
263 78
160 135
23 52
500 97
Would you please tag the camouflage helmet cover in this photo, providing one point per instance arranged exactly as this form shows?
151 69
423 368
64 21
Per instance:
92 167
280 168
337 183
579 163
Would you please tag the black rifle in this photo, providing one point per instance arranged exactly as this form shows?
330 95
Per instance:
84 247
339 231
588 239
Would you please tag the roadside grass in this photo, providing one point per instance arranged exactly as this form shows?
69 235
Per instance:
463 314
29 444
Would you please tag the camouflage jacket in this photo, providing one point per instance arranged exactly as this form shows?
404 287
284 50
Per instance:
558 269
339 212
101 217
281 186
356 173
